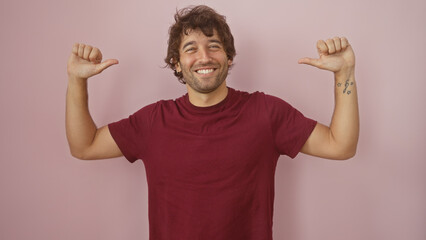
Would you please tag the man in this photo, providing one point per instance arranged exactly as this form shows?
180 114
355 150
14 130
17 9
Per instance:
210 156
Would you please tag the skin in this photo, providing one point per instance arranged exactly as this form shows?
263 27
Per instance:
199 52
85 140
337 141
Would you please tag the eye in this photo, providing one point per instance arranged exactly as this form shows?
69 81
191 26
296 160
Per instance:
189 50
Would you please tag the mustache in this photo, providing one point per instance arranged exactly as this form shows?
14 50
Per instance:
206 65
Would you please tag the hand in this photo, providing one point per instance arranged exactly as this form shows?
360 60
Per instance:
335 55
86 61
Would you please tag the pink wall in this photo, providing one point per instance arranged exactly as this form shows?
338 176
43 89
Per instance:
379 194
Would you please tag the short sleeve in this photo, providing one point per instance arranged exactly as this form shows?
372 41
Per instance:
289 127
131 133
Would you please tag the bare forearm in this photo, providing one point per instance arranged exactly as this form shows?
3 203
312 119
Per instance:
80 127
339 141
344 127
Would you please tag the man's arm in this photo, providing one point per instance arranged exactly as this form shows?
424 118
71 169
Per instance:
85 140
339 140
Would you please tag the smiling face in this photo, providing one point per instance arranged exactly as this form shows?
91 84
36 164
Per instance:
203 61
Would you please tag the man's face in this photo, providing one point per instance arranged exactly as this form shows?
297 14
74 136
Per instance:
203 61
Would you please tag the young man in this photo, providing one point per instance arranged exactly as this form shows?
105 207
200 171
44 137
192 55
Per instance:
210 156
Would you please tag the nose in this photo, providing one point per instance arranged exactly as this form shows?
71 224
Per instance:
204 55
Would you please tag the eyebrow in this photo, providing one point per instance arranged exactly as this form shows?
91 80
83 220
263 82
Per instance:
215 41
187 44
193 42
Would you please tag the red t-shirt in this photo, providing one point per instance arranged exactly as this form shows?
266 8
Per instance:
210 170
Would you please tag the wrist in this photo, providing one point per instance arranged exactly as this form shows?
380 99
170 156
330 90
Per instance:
72 79
344 73
77 83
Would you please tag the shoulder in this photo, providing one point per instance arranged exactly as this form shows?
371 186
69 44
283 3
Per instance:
244 95
159 105
264 98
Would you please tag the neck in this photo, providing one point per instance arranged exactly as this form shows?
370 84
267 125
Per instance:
207 99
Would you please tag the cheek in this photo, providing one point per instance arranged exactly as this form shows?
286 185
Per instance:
224 59
186 63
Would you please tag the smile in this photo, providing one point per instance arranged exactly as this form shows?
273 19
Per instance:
205 71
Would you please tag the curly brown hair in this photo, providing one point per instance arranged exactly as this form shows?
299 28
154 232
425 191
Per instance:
197 17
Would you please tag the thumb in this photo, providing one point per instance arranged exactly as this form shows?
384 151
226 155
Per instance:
106 64
309 61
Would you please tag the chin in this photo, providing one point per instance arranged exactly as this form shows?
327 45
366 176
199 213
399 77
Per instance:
204 88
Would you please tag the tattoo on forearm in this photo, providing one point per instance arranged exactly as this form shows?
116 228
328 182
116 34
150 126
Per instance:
347 84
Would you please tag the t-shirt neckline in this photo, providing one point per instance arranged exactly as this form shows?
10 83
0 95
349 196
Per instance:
209 108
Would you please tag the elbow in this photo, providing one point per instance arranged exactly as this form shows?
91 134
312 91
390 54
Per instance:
79 155
346 153
346 156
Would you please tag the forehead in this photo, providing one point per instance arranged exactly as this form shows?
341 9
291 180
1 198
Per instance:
197 36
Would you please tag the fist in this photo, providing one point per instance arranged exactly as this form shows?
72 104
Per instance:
335 55
86 61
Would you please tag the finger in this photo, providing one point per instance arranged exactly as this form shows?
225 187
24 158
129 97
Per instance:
75 48
344 42
87 51
337 44
106 64
309 61
95 55
322 48
330 45
81 50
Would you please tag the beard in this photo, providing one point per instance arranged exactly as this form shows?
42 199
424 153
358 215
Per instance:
206 84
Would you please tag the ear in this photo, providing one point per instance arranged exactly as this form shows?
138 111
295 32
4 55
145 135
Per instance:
178 68
229 62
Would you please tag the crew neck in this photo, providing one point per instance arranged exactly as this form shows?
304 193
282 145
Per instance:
212 108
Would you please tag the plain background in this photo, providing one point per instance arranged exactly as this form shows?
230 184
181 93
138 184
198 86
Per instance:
47 194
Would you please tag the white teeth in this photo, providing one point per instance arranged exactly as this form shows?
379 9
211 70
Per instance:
205 71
